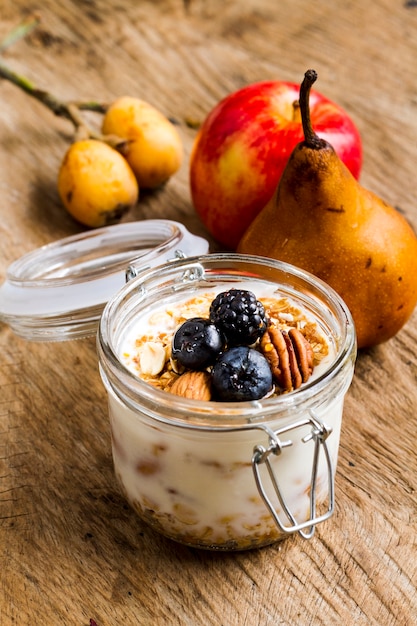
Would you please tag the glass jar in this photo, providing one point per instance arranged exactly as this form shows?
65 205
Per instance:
220 475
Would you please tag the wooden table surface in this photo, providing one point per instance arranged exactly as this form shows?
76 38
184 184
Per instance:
72 551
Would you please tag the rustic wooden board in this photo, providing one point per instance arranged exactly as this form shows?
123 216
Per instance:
71 548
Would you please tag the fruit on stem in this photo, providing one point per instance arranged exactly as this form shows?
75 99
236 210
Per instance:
96 184
322 220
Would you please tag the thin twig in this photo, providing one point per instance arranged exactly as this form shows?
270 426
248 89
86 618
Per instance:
97 107
20 31
58 108
69 111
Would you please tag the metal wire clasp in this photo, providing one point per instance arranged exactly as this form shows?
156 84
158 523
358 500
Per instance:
135 268
318 435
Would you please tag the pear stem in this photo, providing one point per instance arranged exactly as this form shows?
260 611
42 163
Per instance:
310 138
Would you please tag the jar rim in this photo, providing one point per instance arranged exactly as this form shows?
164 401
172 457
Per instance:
138 394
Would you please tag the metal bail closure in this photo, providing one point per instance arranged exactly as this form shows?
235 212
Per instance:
133 270
318 435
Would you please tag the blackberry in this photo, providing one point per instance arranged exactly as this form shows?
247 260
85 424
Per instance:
239 374
239 316
196 343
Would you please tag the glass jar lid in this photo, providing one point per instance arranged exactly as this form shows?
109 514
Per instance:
59 291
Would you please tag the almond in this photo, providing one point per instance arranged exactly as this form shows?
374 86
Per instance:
194 385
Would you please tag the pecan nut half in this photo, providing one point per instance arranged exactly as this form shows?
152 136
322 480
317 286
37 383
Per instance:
290 356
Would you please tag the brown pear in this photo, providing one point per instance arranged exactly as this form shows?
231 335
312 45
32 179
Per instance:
322 220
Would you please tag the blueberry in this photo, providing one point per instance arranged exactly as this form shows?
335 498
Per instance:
241 373
239 316
196 343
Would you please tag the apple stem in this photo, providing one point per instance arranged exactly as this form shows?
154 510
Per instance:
310 138
296 115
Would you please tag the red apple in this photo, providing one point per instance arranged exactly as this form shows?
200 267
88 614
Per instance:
244 144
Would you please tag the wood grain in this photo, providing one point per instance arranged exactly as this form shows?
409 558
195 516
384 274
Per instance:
71 548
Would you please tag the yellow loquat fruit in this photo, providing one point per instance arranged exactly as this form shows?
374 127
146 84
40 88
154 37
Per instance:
153 146
96 184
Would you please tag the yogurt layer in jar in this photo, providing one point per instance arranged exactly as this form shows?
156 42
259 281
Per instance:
224 475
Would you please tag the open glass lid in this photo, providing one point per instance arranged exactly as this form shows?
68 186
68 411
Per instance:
59 291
